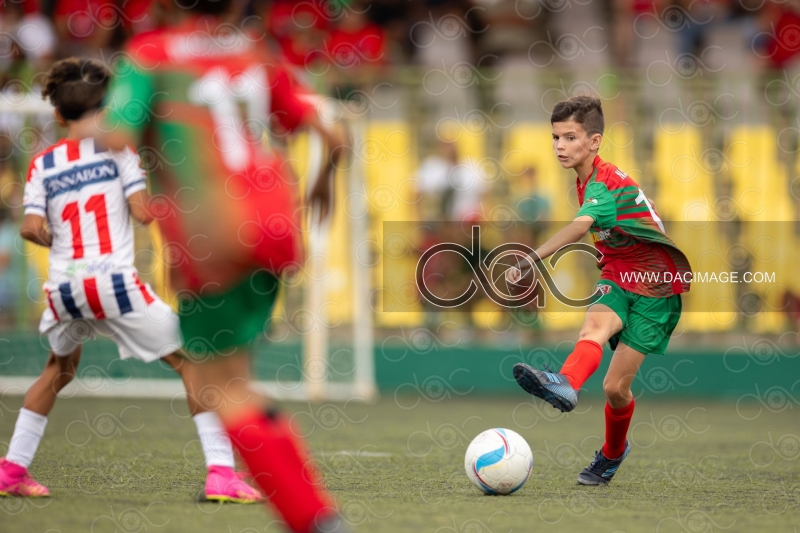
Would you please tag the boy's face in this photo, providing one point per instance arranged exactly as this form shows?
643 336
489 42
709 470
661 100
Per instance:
572 145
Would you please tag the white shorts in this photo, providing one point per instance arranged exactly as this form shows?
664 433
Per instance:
116 305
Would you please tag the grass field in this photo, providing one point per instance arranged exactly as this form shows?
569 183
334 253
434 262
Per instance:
696 467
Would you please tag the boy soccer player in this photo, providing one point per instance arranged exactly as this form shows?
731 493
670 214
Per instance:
635 314
201 93
87 195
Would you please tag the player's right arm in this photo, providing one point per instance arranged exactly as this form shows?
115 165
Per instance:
572 232
34 229
598 209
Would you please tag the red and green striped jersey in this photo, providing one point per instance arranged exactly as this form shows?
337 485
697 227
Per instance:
637 253
198 99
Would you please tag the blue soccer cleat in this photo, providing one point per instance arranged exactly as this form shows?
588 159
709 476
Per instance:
550 386
602 468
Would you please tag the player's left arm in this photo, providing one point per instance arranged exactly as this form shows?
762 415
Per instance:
335 139
294 109
137 203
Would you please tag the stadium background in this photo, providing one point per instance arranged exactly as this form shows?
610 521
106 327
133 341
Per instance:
448 103
451 101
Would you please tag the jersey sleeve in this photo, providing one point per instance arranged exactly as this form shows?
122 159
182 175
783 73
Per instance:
131 172
599 203
129 98
35 195
286 103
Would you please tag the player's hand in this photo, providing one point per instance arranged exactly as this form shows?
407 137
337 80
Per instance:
320 198
520 278
513 275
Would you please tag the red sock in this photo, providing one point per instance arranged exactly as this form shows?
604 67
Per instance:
280 466
617 423
582 362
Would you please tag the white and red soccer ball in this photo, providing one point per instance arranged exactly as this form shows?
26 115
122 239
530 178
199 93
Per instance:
498 461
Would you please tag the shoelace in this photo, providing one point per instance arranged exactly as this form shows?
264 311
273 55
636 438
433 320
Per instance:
547 367
597 459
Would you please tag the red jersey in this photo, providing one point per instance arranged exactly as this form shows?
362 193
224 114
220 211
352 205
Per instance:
637 253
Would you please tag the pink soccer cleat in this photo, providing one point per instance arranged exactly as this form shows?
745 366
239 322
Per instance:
15 481
223 484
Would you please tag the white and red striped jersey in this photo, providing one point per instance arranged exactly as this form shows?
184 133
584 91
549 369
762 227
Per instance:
82 190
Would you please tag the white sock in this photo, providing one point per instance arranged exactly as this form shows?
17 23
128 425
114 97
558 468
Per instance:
27 433
214 440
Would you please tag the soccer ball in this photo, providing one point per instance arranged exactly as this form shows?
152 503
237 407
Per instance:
498 461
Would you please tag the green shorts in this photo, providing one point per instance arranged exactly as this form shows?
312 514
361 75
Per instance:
216 324
647 322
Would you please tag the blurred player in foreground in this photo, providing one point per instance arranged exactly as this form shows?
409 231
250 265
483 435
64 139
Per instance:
87 195
201 93
643 274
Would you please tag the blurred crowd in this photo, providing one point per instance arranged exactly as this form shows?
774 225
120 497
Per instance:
350 33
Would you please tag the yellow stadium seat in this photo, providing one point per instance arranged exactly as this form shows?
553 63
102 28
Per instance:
772 247
760 190
681 173
707 306
758 179
685 200
389 164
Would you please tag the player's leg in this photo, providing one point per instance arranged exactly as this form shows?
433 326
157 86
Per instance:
58 372
150 331
621 372
604 319
276 457
650 324
222 481
618 413
285 474
620 403
601 323
65 355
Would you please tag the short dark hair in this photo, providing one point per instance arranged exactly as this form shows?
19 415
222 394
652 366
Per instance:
207 7
585 110
76 85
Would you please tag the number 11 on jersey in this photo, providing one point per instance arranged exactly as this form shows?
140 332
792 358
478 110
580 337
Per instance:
71 213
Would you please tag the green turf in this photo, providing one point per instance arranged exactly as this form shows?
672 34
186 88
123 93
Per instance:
696 467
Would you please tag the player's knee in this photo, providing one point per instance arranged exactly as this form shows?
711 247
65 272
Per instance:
614 392
591 329
66 367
